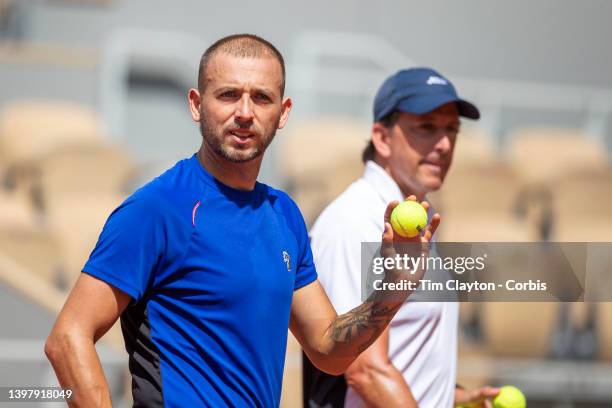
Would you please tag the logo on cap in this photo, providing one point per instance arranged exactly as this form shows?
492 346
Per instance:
436 80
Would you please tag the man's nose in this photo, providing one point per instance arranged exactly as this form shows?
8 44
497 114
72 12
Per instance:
244 109
444 144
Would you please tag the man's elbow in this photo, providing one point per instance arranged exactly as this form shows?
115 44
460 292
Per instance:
332 366
53 346
59 343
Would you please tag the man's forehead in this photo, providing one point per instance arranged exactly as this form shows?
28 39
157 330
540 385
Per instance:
447 111
445 114
262 71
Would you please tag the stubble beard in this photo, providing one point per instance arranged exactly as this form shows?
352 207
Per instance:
215 141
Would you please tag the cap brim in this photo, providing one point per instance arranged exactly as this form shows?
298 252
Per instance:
422 104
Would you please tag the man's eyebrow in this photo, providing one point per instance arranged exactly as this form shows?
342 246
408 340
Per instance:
267 91
224 88
425 119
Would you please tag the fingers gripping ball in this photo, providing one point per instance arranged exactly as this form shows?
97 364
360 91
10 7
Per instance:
509 397
408 219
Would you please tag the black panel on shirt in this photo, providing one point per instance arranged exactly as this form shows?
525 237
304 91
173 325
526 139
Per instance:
144 357
321 390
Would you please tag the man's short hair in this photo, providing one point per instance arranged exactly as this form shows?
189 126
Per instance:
388 122
240 45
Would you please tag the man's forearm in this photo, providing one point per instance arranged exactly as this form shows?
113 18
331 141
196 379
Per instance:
381 386
78 368
354 331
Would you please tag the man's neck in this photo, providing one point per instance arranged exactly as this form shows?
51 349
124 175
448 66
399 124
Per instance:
241 176
406 192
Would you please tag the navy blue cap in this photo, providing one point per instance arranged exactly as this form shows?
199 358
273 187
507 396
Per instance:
418 91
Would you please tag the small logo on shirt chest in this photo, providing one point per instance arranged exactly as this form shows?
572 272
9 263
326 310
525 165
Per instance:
287 260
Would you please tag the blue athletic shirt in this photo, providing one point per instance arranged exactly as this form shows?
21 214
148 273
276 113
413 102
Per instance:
211 271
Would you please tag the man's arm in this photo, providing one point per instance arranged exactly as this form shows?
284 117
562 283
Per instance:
91 309
376 379
333 342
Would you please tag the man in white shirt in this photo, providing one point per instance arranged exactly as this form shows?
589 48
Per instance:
416 121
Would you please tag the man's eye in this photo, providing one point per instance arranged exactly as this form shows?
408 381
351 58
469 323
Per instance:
228 94
263 97
427 127
453 130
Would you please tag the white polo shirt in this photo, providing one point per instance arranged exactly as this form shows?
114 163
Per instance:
423 335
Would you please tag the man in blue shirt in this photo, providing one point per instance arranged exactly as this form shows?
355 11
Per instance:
207 268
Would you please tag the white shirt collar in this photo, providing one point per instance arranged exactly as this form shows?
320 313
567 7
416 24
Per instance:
382 182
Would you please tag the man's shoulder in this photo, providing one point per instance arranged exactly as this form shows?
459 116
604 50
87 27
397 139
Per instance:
276 194
163 193
356 209
285 207
280 200
359 198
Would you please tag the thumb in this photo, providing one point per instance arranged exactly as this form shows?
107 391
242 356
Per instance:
489 392
387 236
386 246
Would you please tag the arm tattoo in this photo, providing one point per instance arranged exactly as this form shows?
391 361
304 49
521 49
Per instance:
370 316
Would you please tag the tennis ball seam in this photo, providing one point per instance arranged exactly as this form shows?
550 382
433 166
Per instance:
402 231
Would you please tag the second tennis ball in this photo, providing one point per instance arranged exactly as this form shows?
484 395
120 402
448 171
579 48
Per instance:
408 219
509 397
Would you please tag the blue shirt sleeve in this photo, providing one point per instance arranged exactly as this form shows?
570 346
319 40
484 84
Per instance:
130 246
306 272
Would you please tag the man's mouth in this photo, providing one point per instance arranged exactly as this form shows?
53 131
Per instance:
241 136
434 164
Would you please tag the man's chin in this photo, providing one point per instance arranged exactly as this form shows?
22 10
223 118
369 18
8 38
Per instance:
432 184
240 155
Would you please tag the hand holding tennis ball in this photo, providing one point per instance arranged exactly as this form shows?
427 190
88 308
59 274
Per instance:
400 228
408 219
509 397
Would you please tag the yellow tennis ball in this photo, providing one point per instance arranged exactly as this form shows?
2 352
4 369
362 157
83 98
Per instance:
509 397
408 219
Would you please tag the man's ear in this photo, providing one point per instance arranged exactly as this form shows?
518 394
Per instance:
195 101
286 108
381 139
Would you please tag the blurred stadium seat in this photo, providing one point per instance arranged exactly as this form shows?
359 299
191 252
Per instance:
36 136
76 221
319 160
16 210
472 227
29 129
519 329
24 241
83 169
540 154
581 205
473 146
484 188
34 249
